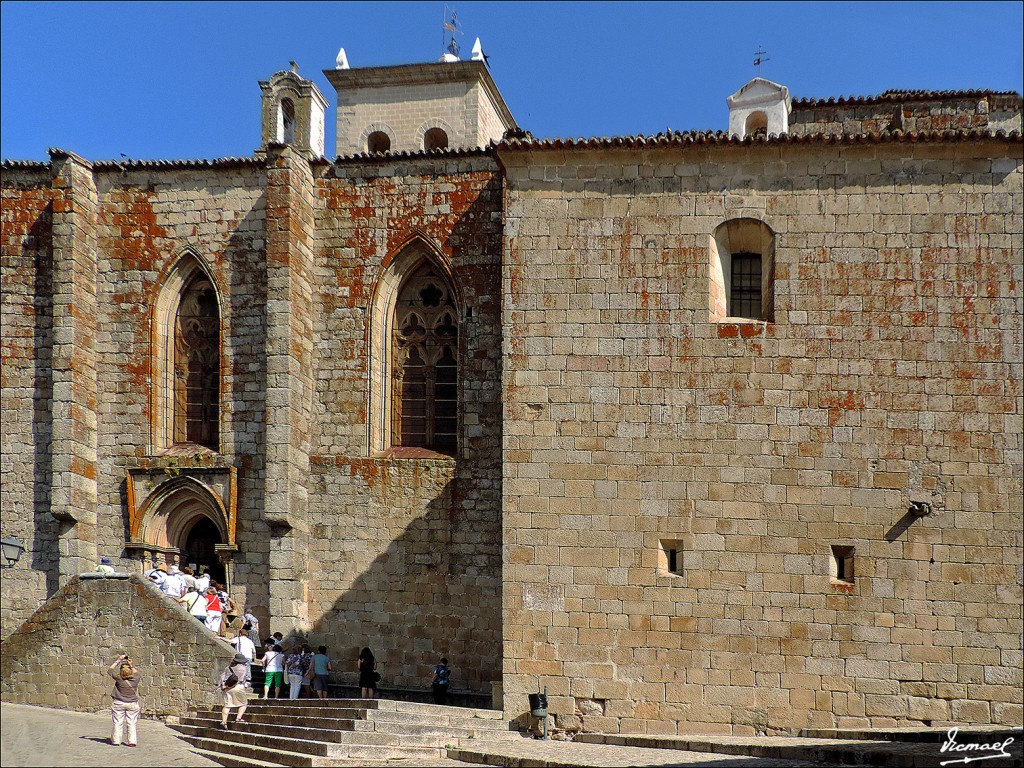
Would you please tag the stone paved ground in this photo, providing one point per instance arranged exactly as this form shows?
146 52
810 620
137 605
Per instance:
37 736
531 753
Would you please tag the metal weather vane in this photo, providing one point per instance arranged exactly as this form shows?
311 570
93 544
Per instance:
450 24
760 58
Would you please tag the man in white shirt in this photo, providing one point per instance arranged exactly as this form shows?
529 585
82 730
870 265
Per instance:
202 580
190 580
173 585
243 645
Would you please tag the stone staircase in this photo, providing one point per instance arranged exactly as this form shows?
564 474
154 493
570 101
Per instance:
325 732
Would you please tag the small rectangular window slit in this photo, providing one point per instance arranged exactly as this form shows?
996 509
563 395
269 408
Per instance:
841 564
670 557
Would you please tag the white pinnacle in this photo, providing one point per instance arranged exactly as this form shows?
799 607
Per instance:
342 61
478 52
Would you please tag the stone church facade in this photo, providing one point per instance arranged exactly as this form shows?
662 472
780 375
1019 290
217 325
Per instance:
698 431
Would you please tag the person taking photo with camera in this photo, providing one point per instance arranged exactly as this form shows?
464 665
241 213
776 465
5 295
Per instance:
124 701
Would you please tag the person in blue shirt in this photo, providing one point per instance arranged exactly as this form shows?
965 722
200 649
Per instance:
321 671
440 681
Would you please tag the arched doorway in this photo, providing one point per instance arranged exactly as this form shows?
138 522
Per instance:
184 520
197 548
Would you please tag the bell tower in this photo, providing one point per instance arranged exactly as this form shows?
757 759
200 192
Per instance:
293 112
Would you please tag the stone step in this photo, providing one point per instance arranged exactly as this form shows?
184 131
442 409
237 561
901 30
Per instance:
333 729
320 743
414 718
457 698
231 761
248 752
336 713
421 708
441 731
351 703
301 721
237 735
405 752
305 732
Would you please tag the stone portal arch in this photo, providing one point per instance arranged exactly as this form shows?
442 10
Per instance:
184 515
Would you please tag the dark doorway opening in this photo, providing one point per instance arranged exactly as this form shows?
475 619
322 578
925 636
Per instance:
199 551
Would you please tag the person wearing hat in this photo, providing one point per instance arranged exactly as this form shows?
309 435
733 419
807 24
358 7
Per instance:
105 566
233 692
158 574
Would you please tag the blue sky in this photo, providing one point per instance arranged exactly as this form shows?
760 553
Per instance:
179 80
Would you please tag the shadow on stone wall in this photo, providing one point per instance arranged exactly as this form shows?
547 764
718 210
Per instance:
45 527
248 314
60 656
435 590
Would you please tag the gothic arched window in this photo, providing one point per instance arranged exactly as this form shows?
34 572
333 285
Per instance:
424 364
197 365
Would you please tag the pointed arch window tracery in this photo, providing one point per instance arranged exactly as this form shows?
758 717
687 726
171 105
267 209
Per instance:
197 365
424 364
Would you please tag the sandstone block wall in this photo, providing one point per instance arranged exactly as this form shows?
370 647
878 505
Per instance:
145 220
60 656
634 425
909 112
408 549
350 549
404 109
27 384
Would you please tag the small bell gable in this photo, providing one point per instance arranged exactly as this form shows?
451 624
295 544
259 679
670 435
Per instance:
759 107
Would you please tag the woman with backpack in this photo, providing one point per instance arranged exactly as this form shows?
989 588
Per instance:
233 692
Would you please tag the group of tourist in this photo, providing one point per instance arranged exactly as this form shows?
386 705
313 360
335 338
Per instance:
303 670
306 670
300 668
205 599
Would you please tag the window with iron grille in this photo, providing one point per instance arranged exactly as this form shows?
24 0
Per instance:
425 367
745 286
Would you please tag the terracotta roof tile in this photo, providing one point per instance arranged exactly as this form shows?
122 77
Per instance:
33 165
220 162
362 157
897 95
705 138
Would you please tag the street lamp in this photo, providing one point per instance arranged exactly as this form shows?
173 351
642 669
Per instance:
11 550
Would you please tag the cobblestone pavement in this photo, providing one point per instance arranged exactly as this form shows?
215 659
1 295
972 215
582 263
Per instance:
531 753
38 736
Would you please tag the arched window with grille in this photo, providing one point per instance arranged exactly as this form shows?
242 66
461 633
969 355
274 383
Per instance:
196 404
424 363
